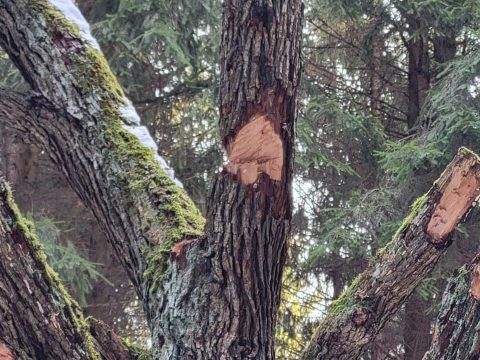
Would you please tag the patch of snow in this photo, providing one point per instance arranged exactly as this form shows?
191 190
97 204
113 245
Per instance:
143 135
129 112
73 14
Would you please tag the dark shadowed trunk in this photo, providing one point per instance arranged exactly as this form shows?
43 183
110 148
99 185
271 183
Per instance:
418 68
417 327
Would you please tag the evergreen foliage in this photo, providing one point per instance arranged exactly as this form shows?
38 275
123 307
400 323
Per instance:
75 270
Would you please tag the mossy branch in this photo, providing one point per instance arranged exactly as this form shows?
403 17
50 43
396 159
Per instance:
370 301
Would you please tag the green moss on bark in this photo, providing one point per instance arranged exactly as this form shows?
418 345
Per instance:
167 214
54 17
71 308
417 205
137 352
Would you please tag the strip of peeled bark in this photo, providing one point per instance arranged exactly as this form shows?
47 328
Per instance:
38 319
377 294
456 331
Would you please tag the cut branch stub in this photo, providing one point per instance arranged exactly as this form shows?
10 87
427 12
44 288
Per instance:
460 192
354 320
257 148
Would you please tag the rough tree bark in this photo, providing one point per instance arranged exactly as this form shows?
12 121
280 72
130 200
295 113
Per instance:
212 295
456 331
38 319
355 319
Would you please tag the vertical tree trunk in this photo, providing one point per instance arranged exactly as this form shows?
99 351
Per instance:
418 68
249 207
417 327
376 82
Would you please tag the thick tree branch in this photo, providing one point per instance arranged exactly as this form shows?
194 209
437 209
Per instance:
16 110
91 131
378 293
38 319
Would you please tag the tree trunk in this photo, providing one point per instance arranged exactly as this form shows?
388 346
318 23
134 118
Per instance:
455 334
249 206
354 320
205 296
418 68
375 64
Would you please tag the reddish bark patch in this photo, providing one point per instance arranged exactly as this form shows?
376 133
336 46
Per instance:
5 353
257 148
457 199
475 285
179 250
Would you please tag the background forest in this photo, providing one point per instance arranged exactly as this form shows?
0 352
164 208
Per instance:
389 92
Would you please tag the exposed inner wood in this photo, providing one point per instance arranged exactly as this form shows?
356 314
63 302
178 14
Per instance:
475 285
5 353
179 249
457 199
256 148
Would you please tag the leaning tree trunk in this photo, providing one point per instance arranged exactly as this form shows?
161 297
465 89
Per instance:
212 295
456 335
377 294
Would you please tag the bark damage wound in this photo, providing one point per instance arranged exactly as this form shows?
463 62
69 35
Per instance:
257 148
5 353
457 199
179 252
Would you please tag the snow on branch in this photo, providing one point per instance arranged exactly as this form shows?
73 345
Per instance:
127 110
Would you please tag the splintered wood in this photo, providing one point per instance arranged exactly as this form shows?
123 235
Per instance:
458 197
256 148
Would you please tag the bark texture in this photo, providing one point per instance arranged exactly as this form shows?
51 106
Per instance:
38 319
205 296
456 331
378 293
75 115
249 206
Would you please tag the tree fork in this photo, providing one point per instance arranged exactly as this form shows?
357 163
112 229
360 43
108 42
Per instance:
377 294
205 296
